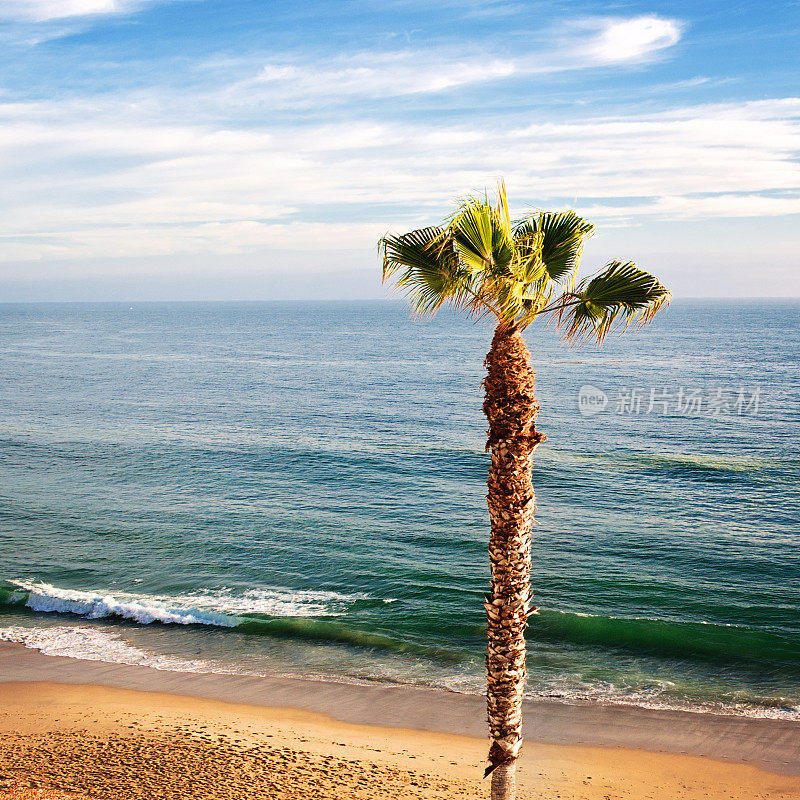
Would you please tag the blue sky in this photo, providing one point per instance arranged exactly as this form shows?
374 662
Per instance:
196 149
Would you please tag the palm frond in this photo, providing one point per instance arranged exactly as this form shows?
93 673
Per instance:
621 294
430 273
528 265
482 239
482 262
563 234
502 208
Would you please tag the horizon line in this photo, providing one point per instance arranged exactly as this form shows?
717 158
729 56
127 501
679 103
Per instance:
334 300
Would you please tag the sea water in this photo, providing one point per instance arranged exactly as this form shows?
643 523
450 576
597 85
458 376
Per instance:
299 489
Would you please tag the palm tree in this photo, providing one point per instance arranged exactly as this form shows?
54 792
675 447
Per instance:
482 262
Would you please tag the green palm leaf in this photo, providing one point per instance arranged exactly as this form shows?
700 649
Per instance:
622 294
482 238
430 273
563 235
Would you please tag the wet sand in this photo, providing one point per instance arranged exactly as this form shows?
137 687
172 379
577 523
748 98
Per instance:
70 726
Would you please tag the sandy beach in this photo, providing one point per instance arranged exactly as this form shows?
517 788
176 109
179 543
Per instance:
81 728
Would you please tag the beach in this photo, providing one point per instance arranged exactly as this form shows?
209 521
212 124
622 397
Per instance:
94 729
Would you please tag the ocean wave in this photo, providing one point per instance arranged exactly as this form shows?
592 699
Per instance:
696 462
312 616
336 633
661 696
280 613
687 640
220 608
701 464
272 601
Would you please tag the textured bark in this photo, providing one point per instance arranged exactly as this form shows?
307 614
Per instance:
510 407
504 782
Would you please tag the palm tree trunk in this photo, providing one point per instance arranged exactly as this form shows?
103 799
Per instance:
511 408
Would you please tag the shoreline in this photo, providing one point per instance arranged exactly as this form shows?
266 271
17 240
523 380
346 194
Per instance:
75 742
767 744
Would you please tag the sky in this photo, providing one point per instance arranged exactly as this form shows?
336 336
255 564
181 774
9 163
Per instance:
258 149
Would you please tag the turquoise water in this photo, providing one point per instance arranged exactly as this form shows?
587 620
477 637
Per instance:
299 490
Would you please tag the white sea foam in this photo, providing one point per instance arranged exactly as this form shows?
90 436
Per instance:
95 644
219 607
622 696
103 644
275 602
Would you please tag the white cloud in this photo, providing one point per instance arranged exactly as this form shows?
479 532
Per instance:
634 39
44 10
220 238
588 44
154 188
367 75
733 205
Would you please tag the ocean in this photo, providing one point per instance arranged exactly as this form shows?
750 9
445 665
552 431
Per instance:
299 489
